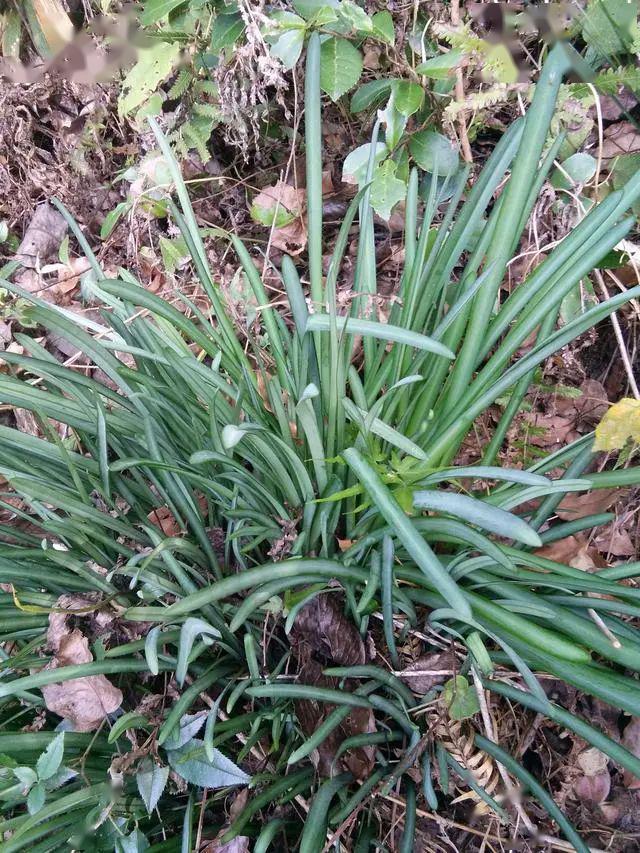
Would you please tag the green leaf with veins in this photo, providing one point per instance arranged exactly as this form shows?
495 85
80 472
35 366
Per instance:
386 189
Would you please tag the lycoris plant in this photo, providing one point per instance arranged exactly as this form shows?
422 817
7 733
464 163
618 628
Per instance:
313 490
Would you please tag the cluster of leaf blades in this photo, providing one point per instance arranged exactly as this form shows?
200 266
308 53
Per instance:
292 433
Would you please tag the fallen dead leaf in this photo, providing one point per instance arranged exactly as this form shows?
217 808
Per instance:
42 237
562 550
85 701
284 204
26 422
631 740
613 539
361 760
322 627
620 138
578 504
429 670
69 274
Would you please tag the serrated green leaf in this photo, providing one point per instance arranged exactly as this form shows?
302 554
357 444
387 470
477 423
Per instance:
393 121
460 699
434 153
608 26
190 762
153 66
151 779
288 47
51 759
355 16
135 842
383 27
26 775
340 67
354 169
36 798
386 189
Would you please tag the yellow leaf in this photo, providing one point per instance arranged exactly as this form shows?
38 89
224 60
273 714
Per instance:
621 422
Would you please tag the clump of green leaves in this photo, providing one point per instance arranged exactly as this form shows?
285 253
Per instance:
205 484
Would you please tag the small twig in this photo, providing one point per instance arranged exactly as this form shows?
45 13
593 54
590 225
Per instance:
459 91
490 733
626 360
615 642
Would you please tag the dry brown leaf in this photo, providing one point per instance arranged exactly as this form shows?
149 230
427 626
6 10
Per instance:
615 540
631 740
311 714
429 670
26 422
620 138
282 199
69 274
42 237
593 789
85 701
578 504
322 627
557 429
562 550
164 519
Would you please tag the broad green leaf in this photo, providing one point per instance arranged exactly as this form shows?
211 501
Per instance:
354 168
621 423
190 762
153 66
383 27
175 253
51 759
135 842
310 9
440 67
36 798
190 725
393 121
408 97
151 780
369 94
355 16
460 698
386 189
478 512
609 26
27 775
113 217
577 169
288 47
434 153
192 628
226 30
340 67
154 10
